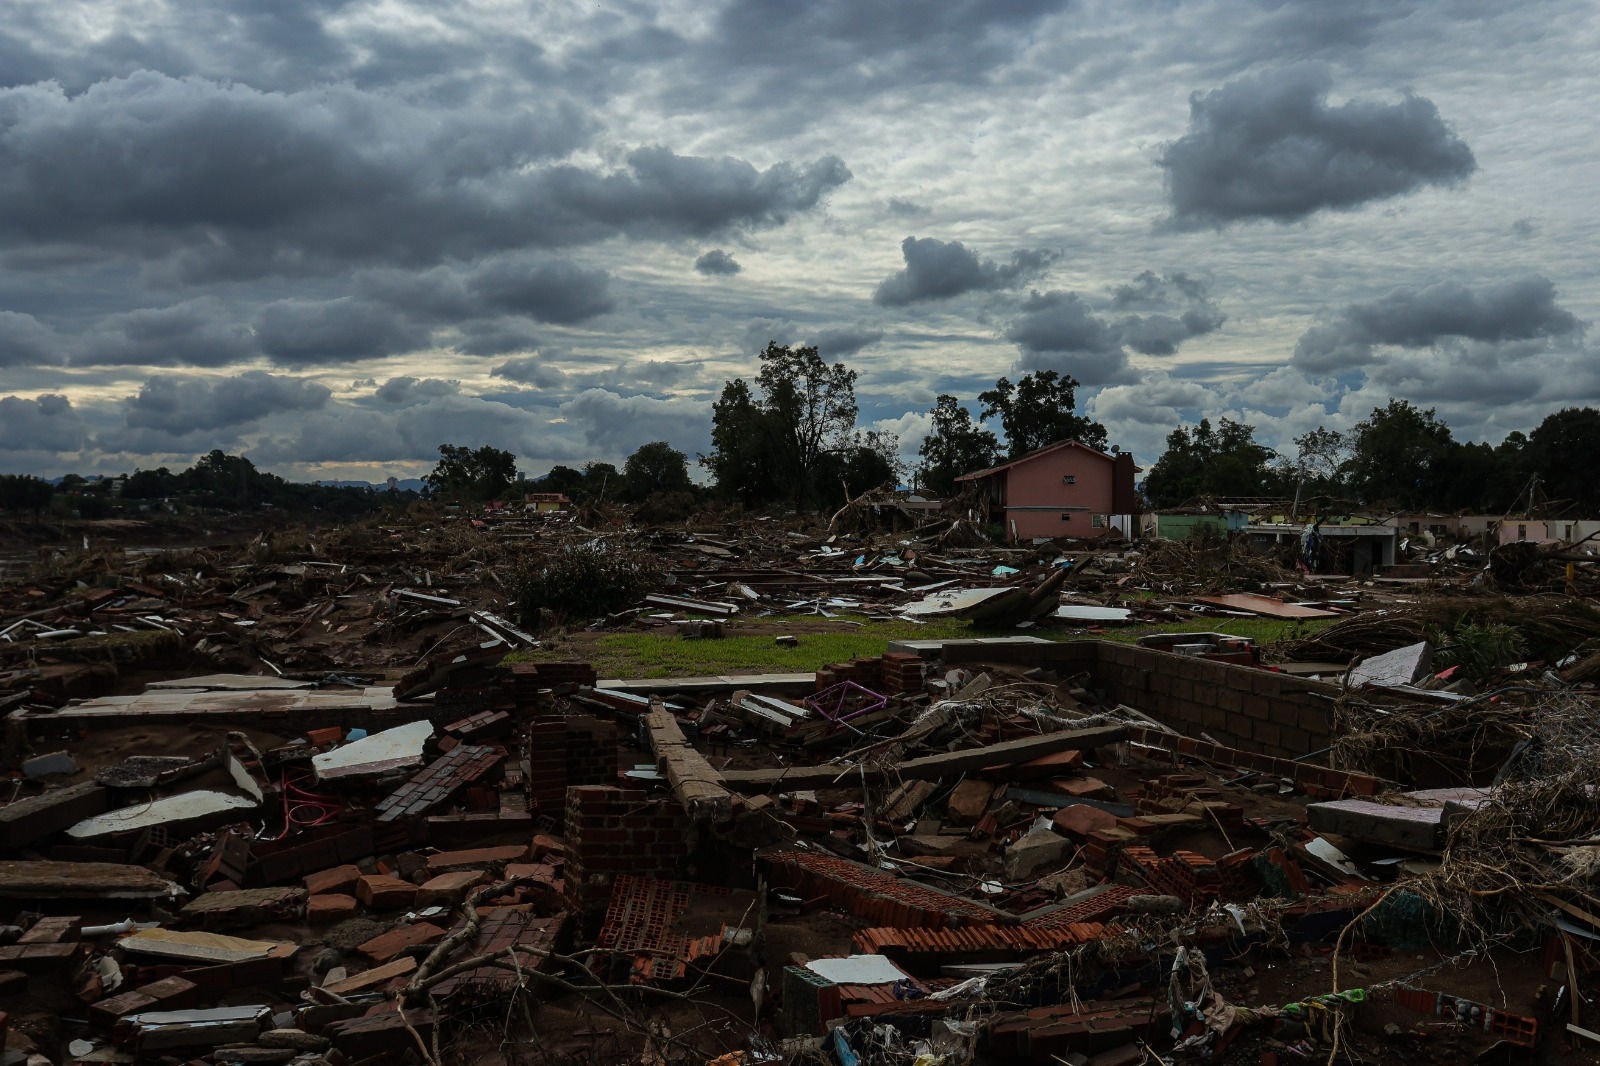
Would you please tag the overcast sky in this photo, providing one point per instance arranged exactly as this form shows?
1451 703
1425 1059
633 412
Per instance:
332 235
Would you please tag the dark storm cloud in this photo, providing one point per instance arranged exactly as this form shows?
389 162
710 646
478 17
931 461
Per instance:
405 391
538 285
836 343
47 424
1066 331
717 261
619 424
938 270
1061 322
496 337
545 289
1270 147
1519 310
1182 307
530 370
179 406
346 433
201 332
342 330
25 341
280 182
20 63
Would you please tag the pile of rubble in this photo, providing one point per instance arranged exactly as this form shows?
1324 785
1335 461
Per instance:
1383 847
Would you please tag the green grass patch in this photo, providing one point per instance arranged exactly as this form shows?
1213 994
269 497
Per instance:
663 653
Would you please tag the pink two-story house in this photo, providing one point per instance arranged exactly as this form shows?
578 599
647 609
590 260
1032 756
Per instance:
1065 489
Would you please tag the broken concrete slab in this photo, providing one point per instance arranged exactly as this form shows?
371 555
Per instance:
1412 828
1038 849
187 809
1402 666
43 879
400 748
32 818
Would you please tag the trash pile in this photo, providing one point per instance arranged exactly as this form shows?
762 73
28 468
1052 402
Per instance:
357 833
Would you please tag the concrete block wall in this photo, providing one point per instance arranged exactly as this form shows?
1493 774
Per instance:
1239 706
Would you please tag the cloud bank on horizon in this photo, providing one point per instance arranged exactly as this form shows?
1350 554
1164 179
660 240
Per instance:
333 234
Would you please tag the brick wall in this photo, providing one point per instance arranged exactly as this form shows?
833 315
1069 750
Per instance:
568 750
612 831
1240 706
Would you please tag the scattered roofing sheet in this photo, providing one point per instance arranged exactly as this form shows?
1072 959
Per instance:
1265 605
858 970
184 807
951 602
1080 612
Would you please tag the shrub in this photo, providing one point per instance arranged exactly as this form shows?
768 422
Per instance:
584 581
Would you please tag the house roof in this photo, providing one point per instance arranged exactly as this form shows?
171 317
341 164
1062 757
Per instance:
1046 450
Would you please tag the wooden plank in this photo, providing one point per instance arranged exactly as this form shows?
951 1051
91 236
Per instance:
929 767
1265 605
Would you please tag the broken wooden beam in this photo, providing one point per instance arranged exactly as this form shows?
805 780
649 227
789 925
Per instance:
929 767
698 787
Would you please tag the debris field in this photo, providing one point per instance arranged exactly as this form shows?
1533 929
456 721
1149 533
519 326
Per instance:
338 797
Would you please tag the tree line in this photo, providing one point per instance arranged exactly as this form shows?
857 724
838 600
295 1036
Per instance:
216 481
1400 457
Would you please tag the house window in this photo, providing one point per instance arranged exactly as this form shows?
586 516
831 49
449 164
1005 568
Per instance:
1069 479
1099 521
1066 517
1522 532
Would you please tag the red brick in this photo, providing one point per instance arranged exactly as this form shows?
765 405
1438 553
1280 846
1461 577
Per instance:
1080 820
385 946
448 889
384 893
340 879
329 908
63 930
446 861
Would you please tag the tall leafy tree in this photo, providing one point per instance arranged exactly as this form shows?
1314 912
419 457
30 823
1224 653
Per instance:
484 473
565 480
1563 451
740 460
655 467
601 481
956 444
1402 456
24 492
872 459
1206 461
770 441
1039 410
1318 468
